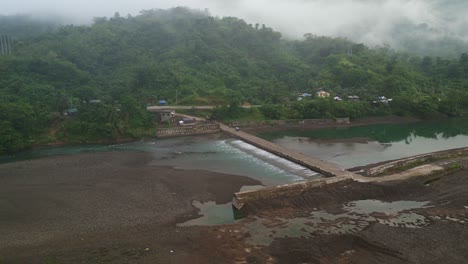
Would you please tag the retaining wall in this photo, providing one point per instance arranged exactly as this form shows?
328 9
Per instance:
188 130
424 158
293 122
293 189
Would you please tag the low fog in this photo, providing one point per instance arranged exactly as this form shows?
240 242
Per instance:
374 22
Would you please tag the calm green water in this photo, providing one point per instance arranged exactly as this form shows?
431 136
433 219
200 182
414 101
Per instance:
384 142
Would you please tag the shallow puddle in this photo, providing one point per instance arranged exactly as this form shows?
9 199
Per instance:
357 216
211 214
376 206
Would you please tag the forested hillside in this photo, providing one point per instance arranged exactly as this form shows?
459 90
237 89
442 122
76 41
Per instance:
194 58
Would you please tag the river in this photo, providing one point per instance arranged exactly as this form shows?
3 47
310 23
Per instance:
347 147
212 153
362 145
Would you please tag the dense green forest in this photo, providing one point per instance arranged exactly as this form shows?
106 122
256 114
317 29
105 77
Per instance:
189 57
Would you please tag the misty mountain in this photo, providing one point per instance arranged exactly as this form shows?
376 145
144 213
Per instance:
190 57
425 28
27 26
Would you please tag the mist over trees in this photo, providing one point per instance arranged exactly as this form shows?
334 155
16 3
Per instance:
113 68
27 26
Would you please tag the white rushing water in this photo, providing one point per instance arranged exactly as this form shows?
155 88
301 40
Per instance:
231 157
210 153
275 160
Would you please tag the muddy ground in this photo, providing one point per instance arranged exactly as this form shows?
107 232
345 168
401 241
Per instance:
441 238
120 207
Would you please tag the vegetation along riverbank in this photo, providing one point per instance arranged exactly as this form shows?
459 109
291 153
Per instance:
56 88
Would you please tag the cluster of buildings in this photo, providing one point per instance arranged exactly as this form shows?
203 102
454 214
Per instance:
321 93
169 116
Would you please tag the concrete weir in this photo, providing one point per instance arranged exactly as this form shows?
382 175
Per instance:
326 168
333 172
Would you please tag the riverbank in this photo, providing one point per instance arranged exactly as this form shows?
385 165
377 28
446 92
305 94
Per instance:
324 125
253 129
66 209
122 207
410 221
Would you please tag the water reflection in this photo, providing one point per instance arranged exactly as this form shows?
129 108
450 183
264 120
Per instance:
357 146
384 133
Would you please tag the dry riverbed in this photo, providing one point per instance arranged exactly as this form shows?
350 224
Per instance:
121 207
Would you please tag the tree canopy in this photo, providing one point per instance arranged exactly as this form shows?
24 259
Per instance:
195 58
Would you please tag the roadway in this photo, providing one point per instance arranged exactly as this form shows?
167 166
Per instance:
188 107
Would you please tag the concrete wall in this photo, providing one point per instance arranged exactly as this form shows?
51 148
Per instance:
324 167
293 189
188 130
396 164
342 120
296 122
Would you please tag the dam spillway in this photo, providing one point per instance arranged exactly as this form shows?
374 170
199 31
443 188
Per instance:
326 168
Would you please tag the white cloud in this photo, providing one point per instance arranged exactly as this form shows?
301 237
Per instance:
369 21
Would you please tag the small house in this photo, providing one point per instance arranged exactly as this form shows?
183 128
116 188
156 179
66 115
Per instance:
303 95
322 94
70 112
353 98
382 99
188 121
165 116
162 102
337 98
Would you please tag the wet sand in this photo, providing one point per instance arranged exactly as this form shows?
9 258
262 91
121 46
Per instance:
120 207
99 206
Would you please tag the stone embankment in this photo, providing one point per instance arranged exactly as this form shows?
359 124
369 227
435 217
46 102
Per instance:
410 162
198 129
240 199
436 165
290 124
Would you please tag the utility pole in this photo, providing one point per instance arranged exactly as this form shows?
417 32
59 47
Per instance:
176 94
2 45
9 44
5 44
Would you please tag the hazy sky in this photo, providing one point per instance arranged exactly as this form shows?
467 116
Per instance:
369 21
